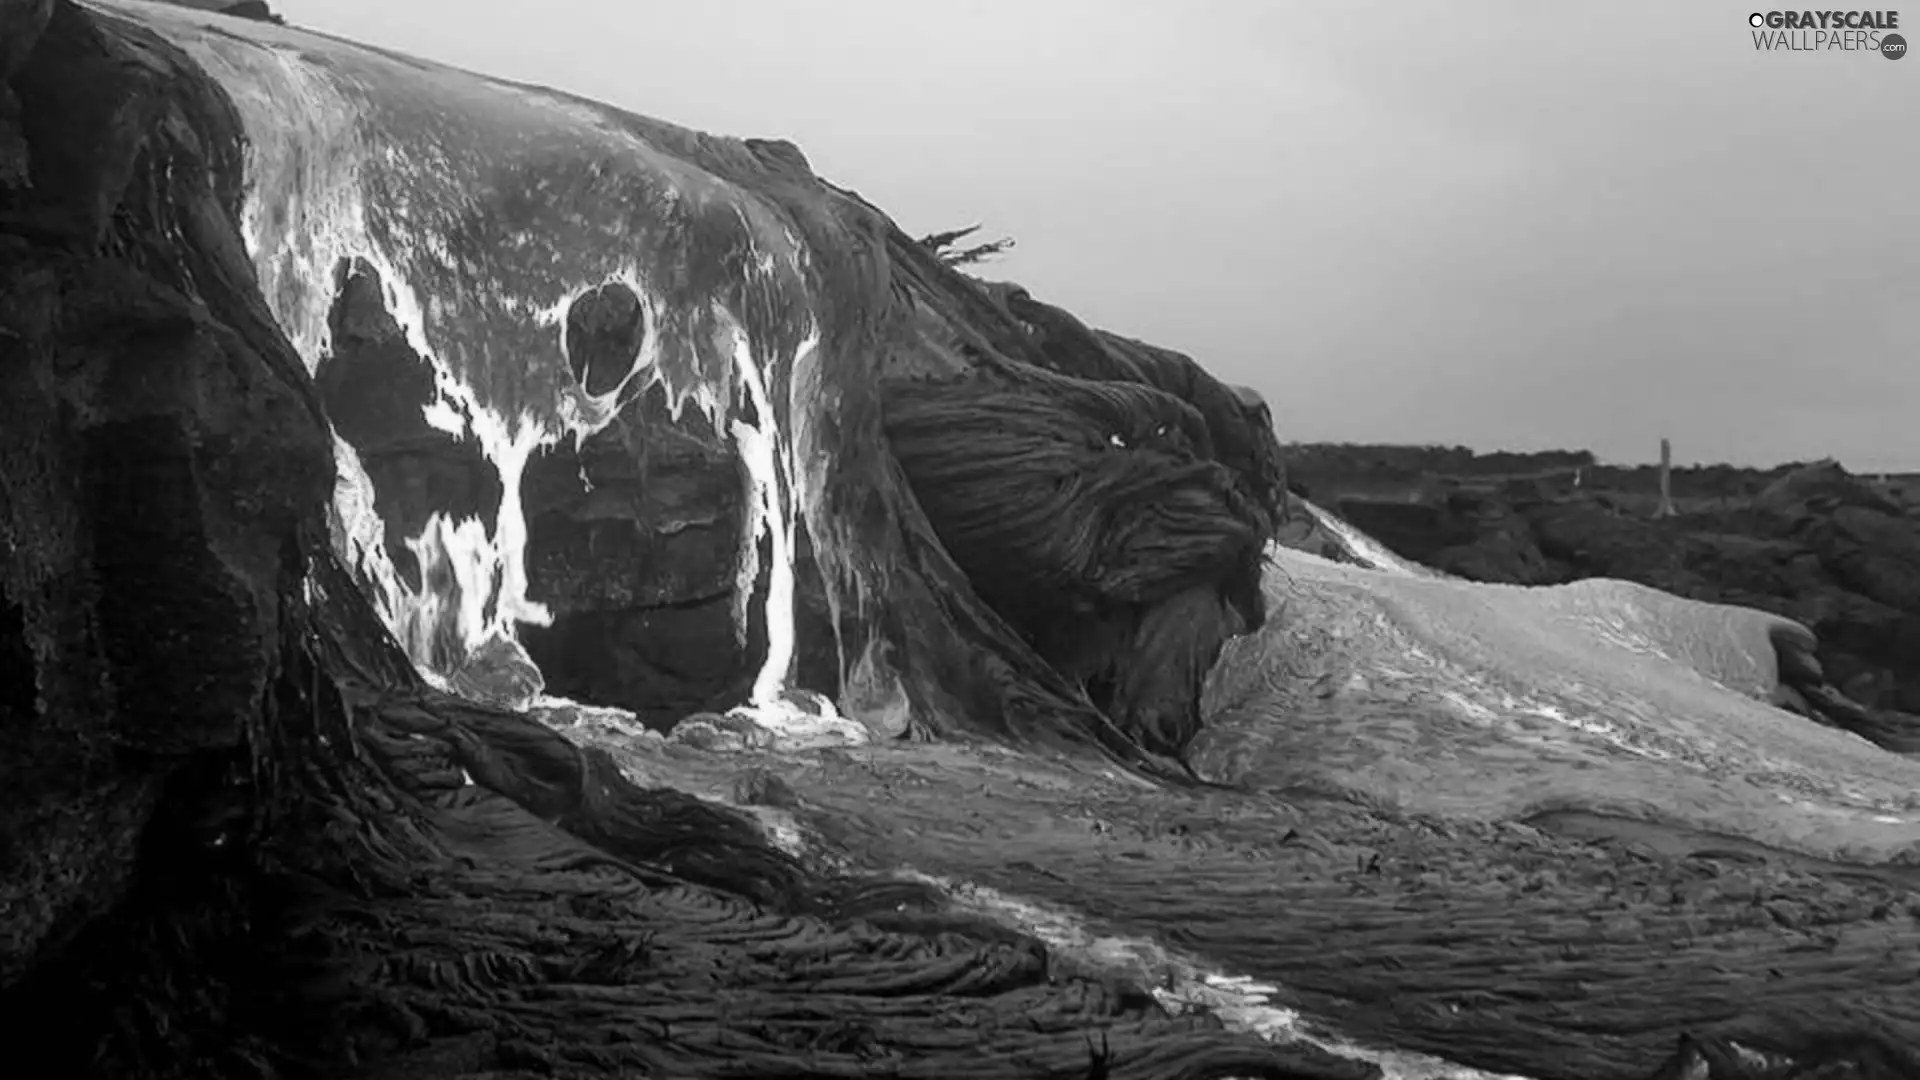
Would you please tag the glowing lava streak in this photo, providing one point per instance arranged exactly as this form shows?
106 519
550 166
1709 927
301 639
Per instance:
768 512
505 556
796 718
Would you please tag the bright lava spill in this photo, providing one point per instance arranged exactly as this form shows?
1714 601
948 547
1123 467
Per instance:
473 589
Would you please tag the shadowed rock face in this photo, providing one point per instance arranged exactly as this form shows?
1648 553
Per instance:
159 461
290 347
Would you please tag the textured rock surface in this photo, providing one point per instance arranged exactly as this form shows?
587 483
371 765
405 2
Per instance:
243 836
230 800
593 378
157 460
21 23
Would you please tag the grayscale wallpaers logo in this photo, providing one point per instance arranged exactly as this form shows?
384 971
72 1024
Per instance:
1828 31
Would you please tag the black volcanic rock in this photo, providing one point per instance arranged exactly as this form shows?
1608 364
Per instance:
1822 486
634 532
158 459
1088 518
606 329
227 787
252 9
244 834
620 485
21 22
632 544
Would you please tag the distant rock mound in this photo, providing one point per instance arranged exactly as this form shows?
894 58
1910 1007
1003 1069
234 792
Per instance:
1820 546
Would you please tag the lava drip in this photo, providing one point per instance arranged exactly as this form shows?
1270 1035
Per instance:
427 505
773 512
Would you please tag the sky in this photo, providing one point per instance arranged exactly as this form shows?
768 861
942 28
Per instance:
1509 225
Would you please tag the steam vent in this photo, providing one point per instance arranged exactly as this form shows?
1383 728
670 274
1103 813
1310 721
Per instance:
498 586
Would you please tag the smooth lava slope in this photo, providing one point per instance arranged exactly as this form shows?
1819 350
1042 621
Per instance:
1506 702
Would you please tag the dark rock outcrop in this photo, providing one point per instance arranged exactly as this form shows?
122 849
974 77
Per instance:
158 460
241 835
1382 471
21 22
622 482
1363 466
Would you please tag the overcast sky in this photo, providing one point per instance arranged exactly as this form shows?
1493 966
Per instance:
1510 225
